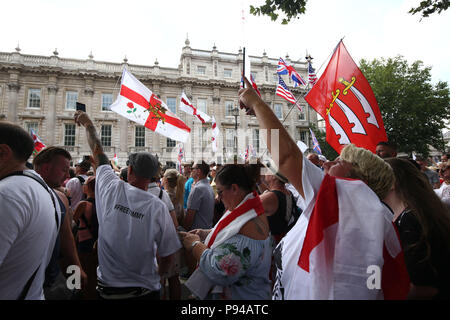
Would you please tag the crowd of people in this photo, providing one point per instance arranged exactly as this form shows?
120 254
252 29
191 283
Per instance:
232 231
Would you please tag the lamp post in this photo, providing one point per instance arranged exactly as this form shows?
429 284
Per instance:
235 115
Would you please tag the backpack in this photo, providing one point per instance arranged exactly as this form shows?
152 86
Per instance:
293 212
92 225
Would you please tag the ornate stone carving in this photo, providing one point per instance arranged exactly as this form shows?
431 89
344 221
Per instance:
14 86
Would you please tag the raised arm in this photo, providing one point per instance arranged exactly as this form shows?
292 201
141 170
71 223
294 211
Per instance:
100 158
289 155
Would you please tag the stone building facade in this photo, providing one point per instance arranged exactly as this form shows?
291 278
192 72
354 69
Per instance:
39 93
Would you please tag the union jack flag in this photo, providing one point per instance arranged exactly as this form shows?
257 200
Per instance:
316 146
284 68
312 74
283 91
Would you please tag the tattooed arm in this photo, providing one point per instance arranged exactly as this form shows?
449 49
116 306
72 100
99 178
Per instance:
100 158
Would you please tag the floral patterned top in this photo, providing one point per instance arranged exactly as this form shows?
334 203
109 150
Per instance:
241 265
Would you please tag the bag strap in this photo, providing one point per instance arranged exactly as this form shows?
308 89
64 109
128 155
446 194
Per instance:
160 193
27 287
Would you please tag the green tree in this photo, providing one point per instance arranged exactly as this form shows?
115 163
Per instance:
412 108
273 8
293 8
430 6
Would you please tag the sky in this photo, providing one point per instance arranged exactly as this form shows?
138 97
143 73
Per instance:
144 31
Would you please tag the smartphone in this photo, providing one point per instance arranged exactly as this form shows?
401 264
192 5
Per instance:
81 106
86 158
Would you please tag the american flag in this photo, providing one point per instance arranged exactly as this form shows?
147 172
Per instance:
283 91
312 74
316 146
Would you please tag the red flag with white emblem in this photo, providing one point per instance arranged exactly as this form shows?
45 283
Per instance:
344 98
139 104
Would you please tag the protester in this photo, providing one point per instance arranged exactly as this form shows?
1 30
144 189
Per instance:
134 225
433 176
234 260
314 158
30 219
386 149
52 164
444 190
200 205
445 157
75 185
187 172
213 179
173 182
279 207
172 273
423 222
337 267
85 217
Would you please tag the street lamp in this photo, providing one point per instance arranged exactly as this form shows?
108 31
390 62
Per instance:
235 113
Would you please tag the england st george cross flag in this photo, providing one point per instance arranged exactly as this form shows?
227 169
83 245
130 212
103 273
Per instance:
137 103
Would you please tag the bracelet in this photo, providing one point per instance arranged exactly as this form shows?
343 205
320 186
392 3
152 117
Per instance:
194 244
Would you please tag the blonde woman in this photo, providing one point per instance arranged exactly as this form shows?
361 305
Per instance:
173 182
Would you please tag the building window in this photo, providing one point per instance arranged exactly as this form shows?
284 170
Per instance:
34 98
172 104
227 73
171 143
32 126
107 100
229 108
69 134
301 114
201 105
229 139
256 140
253 74
303 137
106 131
201 70
71 100
278 110
139 137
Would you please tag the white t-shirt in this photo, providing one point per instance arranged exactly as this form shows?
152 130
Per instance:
75 190
444 192
155 190
28 233
132 223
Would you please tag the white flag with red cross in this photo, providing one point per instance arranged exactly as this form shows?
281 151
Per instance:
186 106
214 135
139 104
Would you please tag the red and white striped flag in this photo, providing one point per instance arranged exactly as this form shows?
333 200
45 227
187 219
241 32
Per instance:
139 104
283 91
186 106
38 144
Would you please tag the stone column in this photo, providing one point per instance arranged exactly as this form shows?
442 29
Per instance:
14 87
51 118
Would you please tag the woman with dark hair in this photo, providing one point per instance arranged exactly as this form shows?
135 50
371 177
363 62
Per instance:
234 257
423 222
